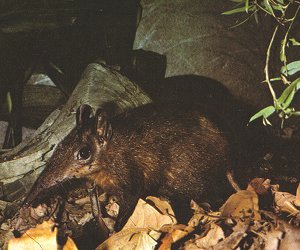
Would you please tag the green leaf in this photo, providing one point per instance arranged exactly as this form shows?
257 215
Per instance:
265 113
269 7
278 7
234 11
247 5
282 51
288 94
291 69
294 42
296 113
9 102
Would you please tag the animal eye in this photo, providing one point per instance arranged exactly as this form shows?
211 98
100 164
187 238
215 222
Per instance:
84 153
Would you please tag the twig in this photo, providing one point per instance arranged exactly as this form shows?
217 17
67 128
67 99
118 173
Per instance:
242 22
267 67
288 31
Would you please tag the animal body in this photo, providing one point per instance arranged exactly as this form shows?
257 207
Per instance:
172 151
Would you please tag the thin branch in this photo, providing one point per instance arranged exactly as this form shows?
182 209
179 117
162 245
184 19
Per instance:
288 31
267 67
242 22
291 24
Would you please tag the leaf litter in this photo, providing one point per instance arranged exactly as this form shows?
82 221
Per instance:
240 223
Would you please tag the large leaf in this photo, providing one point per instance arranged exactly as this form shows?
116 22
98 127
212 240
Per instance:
148 216
265 113
241 204
288 94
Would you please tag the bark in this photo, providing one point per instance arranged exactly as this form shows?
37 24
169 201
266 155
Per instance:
99 87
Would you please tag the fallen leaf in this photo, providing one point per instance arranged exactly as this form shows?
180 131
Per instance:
201 216
297 200
174 234
285 202
273 239
211 238
147 216
291 239
195 206
244 203
162 206
131 238
284 236
260 186
231 242
41 237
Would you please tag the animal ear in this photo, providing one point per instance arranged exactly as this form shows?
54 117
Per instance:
83 114
103 127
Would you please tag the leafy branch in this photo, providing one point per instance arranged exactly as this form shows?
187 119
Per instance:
278 9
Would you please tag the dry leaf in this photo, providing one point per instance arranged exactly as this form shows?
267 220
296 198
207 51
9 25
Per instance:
285 237
131 238
201 216
291 238
244 203
212 237
260 186
231 242
41 237
147 216
273 239
195 206
297 200
174 234
162 205
284 202
139 231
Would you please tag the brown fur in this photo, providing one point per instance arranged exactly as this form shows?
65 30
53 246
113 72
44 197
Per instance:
172 151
